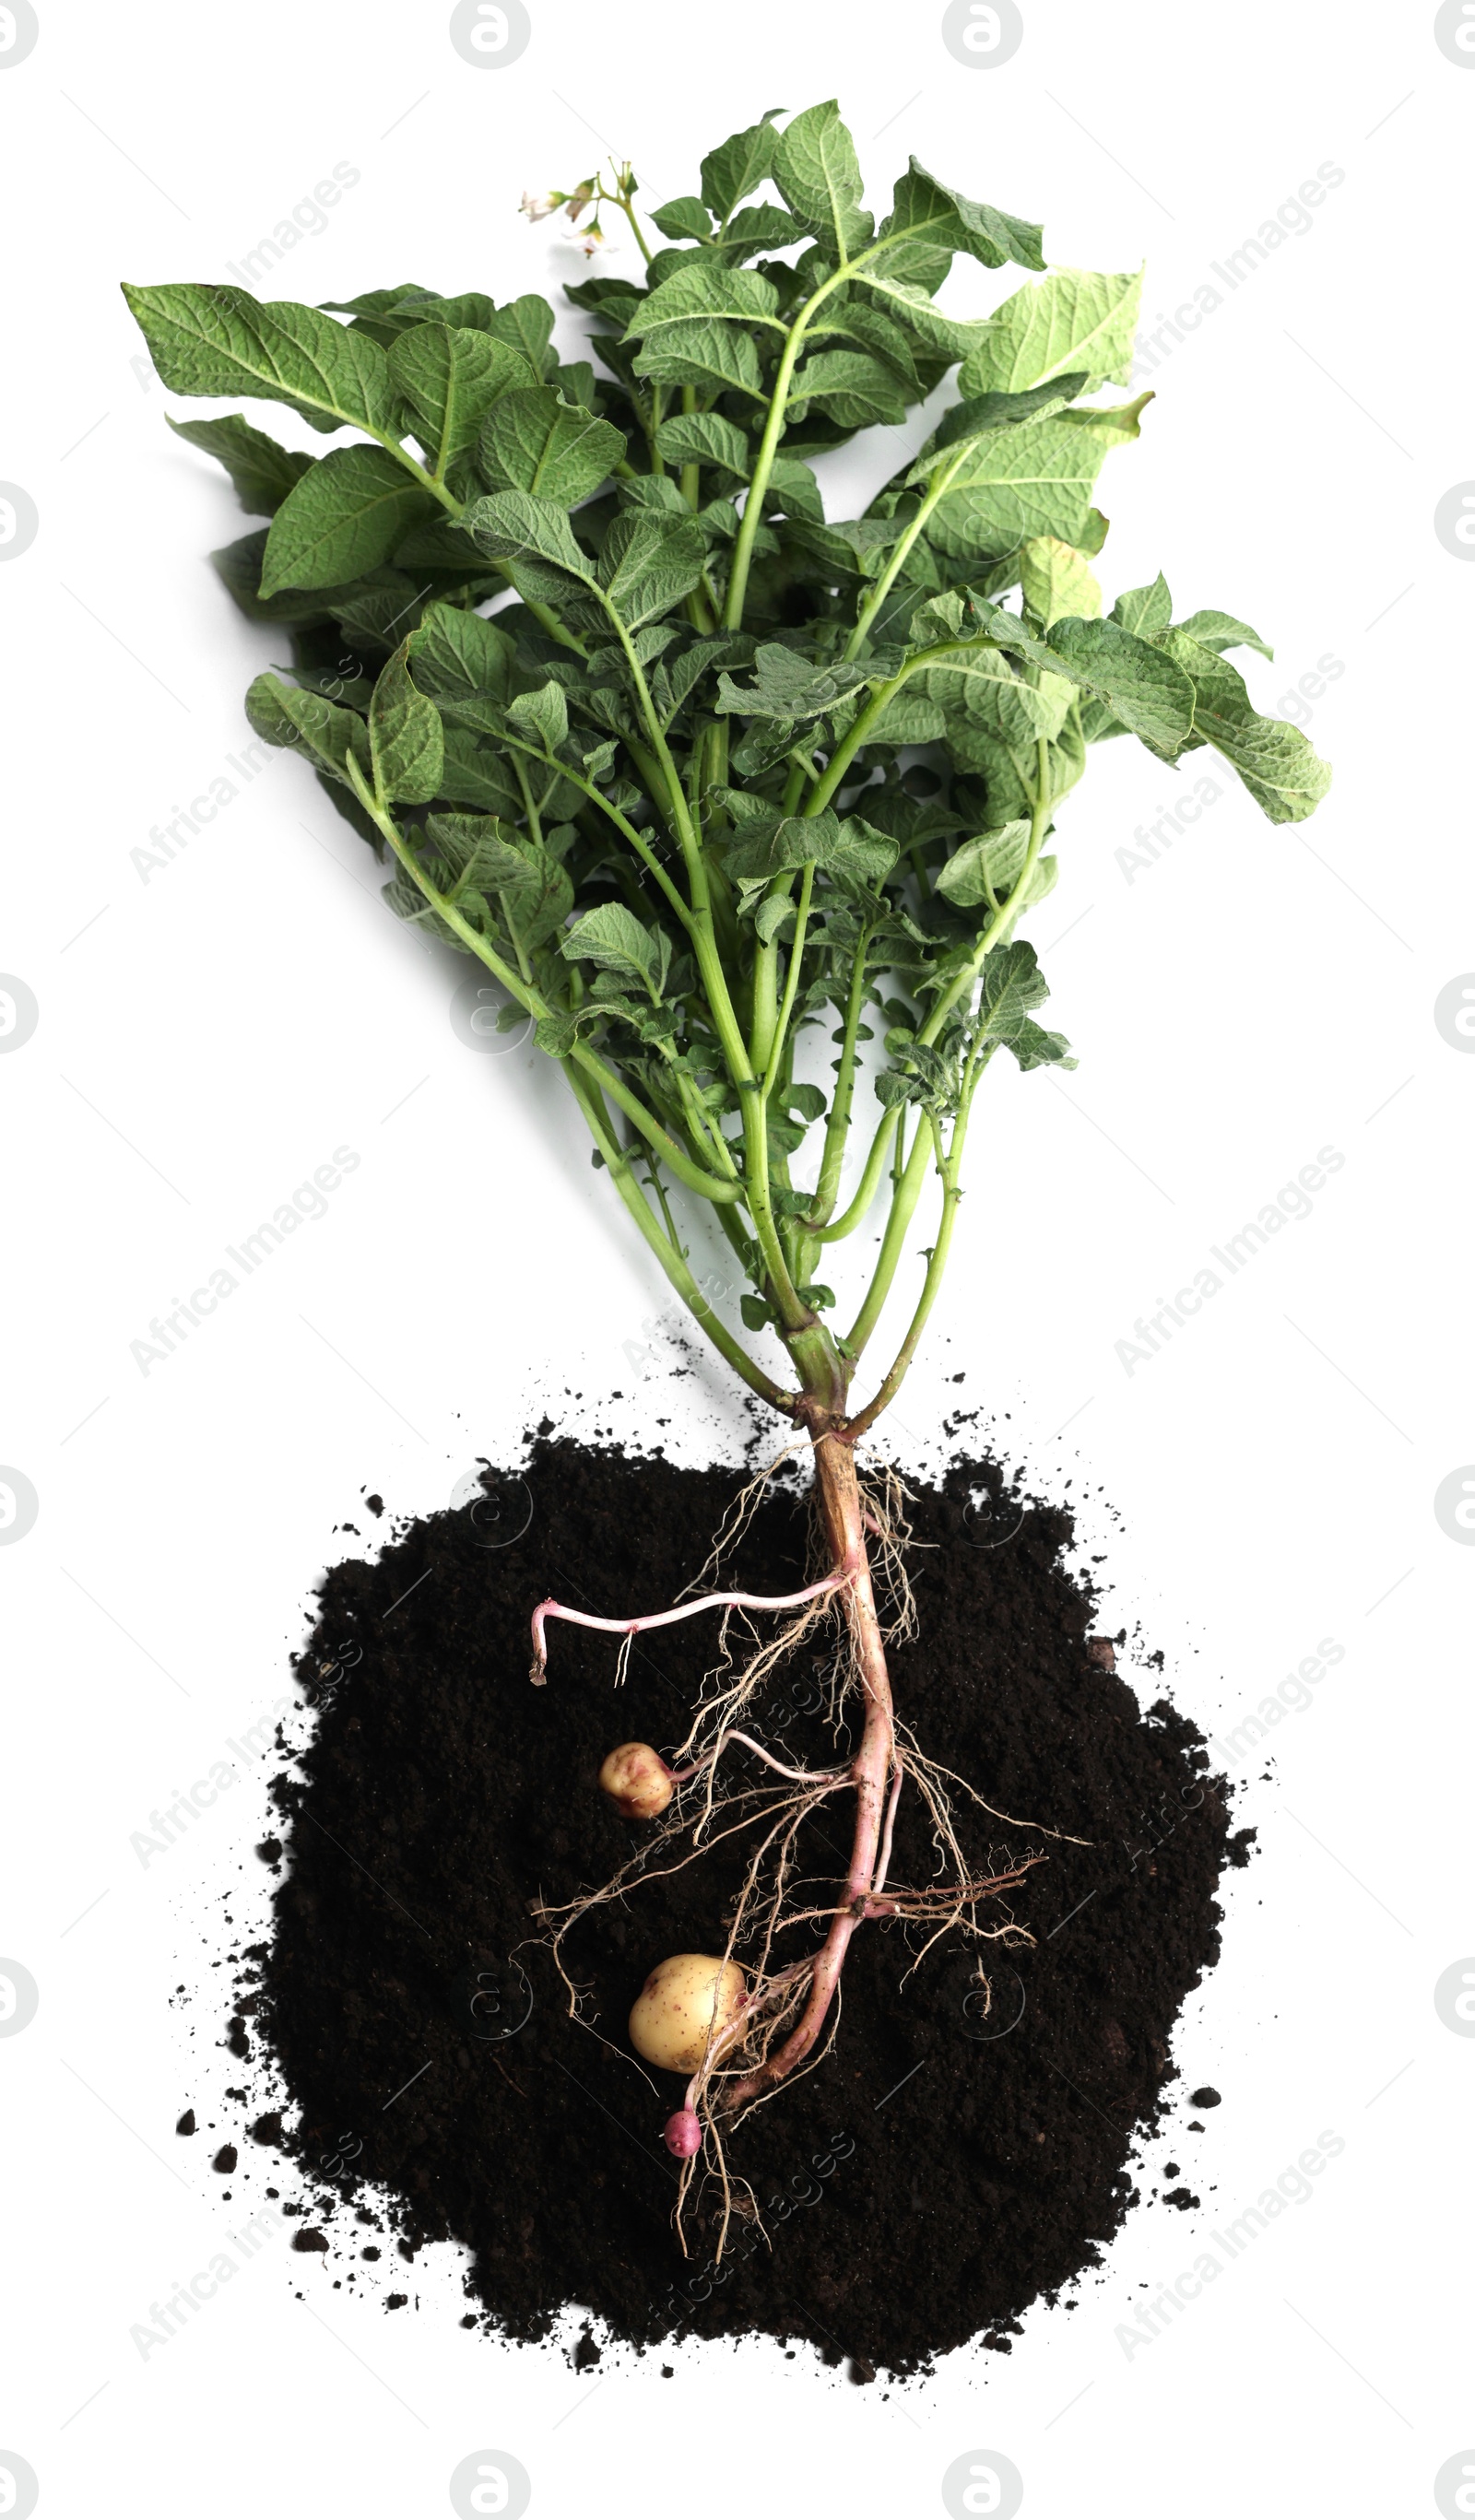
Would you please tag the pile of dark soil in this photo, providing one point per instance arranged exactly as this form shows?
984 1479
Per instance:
945 2165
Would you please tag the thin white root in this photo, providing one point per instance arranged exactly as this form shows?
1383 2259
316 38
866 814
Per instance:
628 1628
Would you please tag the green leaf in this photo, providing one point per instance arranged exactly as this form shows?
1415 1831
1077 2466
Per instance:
962 437
793 489
557 1034
486 858
382 615
207 340
649 562
614 939
710 291
543 714
534 440
980 692
261 471
1021 483
685 216
405 738
471 775
705 437
992 236
526 324
909 717
450 379
984 868
573 379
1070 320
770 842
1278 765
305 722
931 222
473 311
348 514
851 318
857 389
534 533
819 174
716 358
909 306
789 685
764 230
1125 672
689 326
1219 630
1057 582
1145 609
455 655
736 169
1011 983
374 311
1114 667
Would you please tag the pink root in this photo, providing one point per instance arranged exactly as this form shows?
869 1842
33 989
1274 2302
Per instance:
797 1776
547 1610
684 2134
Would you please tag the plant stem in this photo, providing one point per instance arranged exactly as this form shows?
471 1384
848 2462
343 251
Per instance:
838 1126
839 1502
747 531
665 1249
604 1077
791 982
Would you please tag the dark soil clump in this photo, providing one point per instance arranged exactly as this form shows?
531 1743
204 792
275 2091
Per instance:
955 2156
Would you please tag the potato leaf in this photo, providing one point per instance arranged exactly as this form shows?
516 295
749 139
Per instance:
348 514
405 738
262 471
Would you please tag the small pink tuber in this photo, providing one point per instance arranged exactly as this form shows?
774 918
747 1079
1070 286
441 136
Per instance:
684 2134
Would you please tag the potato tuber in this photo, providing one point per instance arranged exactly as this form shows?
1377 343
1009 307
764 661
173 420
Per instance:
638 1780
687 2002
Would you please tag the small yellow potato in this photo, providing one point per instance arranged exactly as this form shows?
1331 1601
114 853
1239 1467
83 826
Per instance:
637 1781
688 1998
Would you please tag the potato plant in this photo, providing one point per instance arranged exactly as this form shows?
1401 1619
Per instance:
743 806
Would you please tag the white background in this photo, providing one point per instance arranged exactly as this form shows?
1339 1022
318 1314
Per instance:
208 1036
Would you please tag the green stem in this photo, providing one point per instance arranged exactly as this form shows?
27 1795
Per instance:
623 825
870 1182
1001 924
936 1266
838 1126
747 531
939 485
904 1199
791 982
528 995
909 1188
666 1250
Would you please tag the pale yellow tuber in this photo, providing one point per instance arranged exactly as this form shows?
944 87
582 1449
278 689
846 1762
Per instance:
687 2000
637 1781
